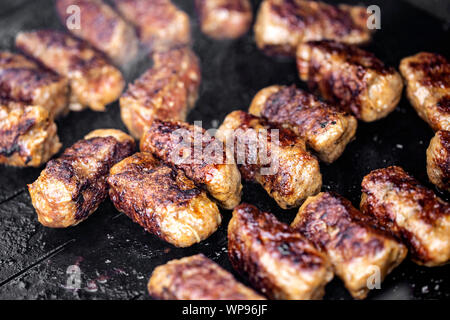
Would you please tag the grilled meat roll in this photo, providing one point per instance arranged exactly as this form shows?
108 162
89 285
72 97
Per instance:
325 129
284 168
160 24
185 63
93 81
354 247
224 19
282 24
22 80
202 157
411 212
103 28
278 260
28 135
162 200
166 92
72 186
350 77
427 78
438 160
197 278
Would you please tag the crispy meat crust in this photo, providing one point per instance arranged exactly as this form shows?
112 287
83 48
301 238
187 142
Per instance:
103 28
278 260
72 186
185 63
286 170
22 80
28 135
410 211
438 160
160 24
325 129
282 24
427 78
224 19
353 245
197 278
93 81
206 160
166 92
350 77
162 200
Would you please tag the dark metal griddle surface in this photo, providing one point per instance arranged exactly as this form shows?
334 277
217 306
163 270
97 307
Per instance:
116 256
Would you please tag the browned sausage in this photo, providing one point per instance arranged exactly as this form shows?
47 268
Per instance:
427 78
325 129
224 19
197 278
93 81
350 77
22 80
278 260
411 212
282 24
72 186
162 200
285 169
28 135
356 249
438 160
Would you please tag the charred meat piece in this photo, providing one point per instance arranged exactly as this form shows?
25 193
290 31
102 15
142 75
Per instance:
93 81
202 157
72 186
438 160
224 19
22 80
160 24
28 135
411 212
165 92
350 77
273 156
355 248
325 129
185 63
277 259
197 278
162 200
102 27
427 78
282 24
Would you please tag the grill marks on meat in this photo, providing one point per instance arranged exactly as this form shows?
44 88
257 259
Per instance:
287 172
325 129
410 211
278 260
166 92
93 81
202 157
72 186
28 135
350 77
23 81
353 245
427 78
160 24
438 160
197 278
103 28
283 24
162 200
224 19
